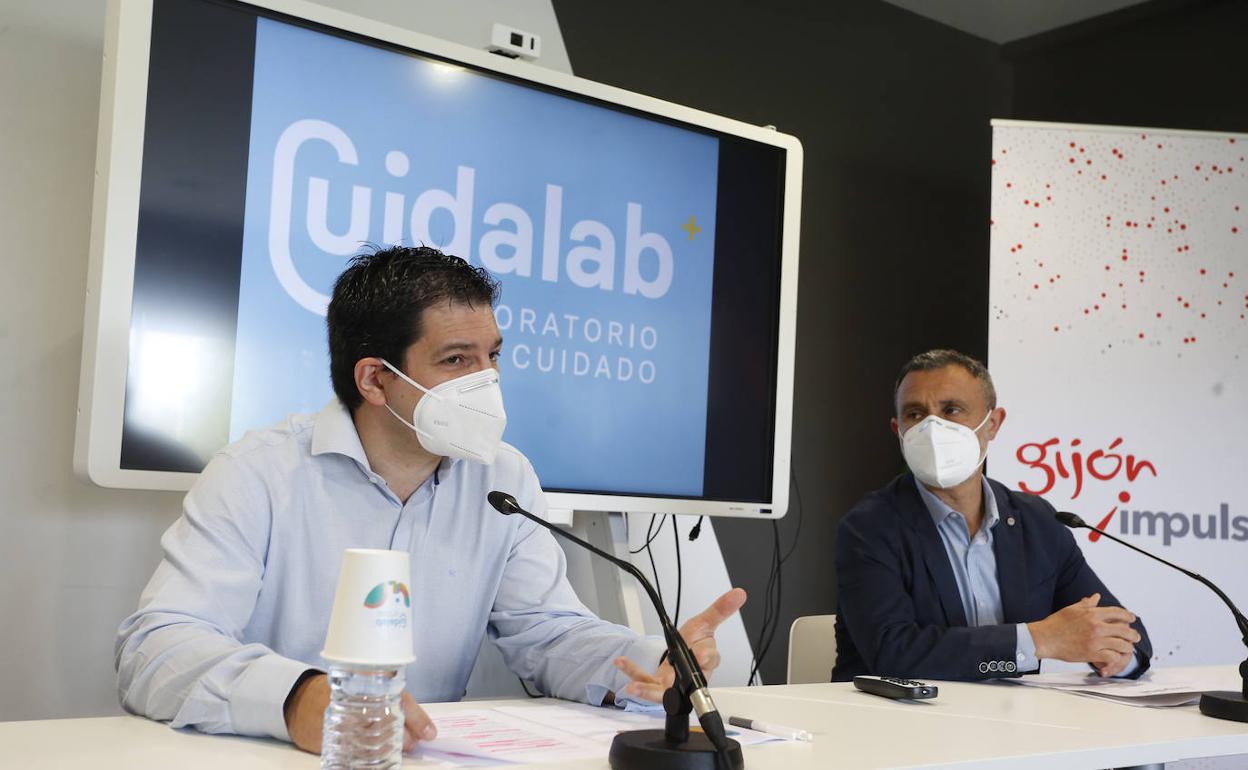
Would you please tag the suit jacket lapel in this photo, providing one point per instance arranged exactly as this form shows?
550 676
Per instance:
1007 544
934 554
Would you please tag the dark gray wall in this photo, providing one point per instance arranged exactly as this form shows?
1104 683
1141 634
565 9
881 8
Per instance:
892 110
1165 64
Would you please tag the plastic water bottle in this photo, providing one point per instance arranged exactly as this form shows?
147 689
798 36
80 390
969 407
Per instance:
364 721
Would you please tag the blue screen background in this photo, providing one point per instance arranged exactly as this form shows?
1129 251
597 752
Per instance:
414 125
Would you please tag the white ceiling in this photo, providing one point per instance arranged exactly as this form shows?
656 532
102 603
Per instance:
1003 21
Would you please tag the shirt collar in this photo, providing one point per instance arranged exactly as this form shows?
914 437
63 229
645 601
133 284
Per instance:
940 511
334 432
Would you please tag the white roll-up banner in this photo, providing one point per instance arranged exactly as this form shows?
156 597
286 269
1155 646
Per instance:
1118 341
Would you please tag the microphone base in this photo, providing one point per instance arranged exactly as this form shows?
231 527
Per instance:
1225 704
650 750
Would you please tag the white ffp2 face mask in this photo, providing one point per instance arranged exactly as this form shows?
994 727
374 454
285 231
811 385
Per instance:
942 453
462 418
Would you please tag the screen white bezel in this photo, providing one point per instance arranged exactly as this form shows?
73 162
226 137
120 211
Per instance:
114 224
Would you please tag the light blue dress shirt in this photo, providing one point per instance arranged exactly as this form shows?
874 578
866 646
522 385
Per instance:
974 566
975 571
238 608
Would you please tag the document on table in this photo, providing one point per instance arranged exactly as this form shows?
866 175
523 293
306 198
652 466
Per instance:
489 734
601 725
540 733
1157 688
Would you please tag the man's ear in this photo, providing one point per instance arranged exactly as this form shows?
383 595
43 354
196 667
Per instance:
368 372
995 422
893 425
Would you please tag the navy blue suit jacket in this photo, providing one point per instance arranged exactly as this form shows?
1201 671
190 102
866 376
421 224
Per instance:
899 611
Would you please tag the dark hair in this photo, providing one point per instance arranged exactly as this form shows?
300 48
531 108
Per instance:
939 359
380 299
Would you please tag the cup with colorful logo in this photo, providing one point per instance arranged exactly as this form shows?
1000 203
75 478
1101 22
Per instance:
371 621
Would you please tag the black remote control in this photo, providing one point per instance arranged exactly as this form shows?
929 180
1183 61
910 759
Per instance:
897 689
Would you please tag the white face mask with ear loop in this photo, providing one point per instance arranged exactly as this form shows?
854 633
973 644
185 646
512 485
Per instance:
942 453
462 418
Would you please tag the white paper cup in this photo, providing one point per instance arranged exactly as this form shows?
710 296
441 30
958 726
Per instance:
371 623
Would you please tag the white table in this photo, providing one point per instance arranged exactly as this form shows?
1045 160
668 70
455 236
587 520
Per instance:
978 726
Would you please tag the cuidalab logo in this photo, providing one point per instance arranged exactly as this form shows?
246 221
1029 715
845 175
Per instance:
507 246
1070 461
392 602
391 591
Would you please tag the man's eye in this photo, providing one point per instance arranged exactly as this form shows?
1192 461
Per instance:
453 360
495 355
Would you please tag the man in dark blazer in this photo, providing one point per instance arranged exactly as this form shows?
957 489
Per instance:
945 574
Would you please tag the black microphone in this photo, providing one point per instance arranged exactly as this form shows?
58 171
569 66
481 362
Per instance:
638 752
1223 705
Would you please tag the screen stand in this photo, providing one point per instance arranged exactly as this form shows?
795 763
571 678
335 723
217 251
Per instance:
610 593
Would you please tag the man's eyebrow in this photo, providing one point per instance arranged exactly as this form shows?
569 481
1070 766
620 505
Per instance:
943 403
454 345
458 345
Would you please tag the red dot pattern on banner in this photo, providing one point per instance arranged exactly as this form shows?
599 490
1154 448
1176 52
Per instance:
1158 213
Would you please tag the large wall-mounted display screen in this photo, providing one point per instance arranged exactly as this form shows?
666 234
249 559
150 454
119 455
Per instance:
647 252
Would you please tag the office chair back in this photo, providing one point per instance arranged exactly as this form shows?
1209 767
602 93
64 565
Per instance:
812 649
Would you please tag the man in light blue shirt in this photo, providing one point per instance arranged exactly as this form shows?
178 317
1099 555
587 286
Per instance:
229 630
974 564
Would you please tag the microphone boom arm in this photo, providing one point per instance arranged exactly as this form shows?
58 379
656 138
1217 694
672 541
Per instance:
1074 521
689 692
1222 705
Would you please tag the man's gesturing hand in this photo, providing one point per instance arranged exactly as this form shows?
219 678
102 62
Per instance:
305 716
1086 633
699 633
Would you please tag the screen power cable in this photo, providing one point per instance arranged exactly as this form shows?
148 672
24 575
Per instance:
652 533
774 593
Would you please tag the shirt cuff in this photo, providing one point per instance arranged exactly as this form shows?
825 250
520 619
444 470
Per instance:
1025 650
645 651
256 704
1131 668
